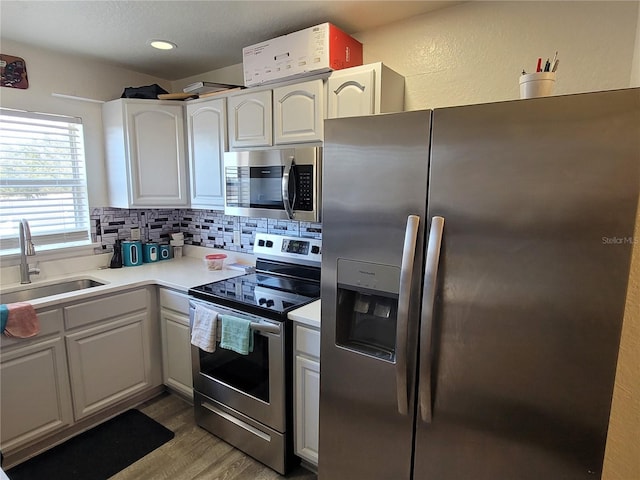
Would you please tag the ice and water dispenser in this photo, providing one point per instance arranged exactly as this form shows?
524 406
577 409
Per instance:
367 309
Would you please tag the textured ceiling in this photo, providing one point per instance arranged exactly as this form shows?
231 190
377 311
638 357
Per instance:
209 34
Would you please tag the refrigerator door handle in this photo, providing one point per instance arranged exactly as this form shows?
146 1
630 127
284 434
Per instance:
402 324
286 174
426 328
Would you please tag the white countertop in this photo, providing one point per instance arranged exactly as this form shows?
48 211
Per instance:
309 314
178 273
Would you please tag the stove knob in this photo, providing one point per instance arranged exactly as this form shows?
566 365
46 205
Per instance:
315 249
262 301
261 243
269 244
270 303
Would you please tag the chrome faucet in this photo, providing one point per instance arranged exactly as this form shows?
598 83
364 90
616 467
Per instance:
26 249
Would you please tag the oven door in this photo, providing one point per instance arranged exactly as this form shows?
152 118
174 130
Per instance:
277 183
252 384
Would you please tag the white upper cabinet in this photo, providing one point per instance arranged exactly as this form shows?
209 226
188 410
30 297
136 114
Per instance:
207 140
364 90
299 112
250 119
145 147
287 114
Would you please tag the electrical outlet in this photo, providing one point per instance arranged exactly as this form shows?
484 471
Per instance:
236 237
135 233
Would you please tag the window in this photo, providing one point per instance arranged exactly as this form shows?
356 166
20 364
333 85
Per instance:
42 179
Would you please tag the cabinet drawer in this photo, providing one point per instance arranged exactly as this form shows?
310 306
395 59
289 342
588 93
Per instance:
308 341
104 308
176 301
50 323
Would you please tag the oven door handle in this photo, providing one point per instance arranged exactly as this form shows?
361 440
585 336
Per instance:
260 327
265 328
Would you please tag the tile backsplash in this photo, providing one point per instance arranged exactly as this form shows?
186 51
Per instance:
207 228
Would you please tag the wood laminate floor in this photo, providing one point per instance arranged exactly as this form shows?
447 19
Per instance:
194 453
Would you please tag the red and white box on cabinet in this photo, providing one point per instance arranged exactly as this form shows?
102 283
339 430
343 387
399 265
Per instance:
317 49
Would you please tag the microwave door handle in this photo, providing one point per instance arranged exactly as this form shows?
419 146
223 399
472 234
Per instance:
286 174
426 328
402 324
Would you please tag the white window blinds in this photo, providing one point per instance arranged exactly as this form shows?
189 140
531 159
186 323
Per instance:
42 179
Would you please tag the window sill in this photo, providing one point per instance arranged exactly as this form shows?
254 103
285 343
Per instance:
49 252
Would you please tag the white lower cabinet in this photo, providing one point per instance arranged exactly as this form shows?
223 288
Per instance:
34 393
176 342
90 359
307 392
111 356
108 363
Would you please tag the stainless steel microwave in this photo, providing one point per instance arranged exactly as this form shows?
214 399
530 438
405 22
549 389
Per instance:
277 183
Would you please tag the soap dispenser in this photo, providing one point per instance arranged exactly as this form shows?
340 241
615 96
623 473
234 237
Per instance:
116 260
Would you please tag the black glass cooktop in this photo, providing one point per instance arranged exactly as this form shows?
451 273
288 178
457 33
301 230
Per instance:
256 292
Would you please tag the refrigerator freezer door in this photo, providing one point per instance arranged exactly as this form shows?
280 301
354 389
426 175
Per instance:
374 180
540 199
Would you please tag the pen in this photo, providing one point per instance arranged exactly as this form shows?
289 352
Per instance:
547 65
555 57
555 65
539 66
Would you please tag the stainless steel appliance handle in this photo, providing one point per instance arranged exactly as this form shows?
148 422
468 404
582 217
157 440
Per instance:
288 167
262 327
426 328
402 324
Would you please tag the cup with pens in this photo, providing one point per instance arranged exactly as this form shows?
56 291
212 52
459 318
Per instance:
542 82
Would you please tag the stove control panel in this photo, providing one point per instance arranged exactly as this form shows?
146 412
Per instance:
301 250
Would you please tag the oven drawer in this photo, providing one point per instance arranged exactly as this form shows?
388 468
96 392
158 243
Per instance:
253 438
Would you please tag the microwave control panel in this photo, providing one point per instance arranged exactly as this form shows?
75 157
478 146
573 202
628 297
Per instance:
304 179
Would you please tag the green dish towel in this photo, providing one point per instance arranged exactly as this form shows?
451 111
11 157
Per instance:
236 334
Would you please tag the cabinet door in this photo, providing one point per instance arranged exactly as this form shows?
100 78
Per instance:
307 408
156 155
176 352
207 139
299 112
108 363
351 93
35 395
250 120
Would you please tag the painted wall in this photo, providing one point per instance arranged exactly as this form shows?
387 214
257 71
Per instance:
49 73
474 52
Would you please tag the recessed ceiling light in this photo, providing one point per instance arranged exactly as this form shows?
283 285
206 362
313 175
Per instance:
162 44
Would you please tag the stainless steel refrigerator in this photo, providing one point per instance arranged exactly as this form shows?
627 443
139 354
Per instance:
474 272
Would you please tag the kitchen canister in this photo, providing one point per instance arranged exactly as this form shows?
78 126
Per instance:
150 252
215 261
131 253
165 252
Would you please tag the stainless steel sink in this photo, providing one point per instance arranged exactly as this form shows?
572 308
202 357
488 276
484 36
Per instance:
33 292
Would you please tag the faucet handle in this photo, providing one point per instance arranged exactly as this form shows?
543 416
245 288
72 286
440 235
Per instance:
30 248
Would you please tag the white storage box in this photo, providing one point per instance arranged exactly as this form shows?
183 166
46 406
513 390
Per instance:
318 49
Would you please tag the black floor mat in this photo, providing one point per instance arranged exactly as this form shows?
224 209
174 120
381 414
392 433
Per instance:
99 453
